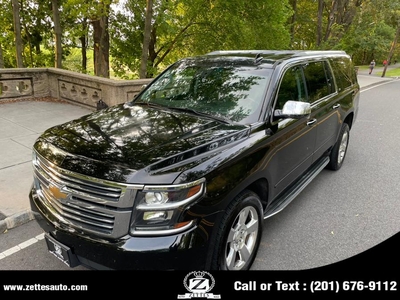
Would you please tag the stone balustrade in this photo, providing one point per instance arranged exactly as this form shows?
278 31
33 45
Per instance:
66 85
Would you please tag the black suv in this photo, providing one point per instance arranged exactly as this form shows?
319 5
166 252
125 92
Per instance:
183 176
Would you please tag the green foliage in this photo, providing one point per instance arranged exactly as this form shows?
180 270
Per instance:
127 33
7 34
372 31
369 43
363 28
192 27
73 61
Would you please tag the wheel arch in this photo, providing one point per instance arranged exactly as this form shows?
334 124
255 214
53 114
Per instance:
349 119
260 187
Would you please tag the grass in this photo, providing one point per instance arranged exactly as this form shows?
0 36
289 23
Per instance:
392 71
73 62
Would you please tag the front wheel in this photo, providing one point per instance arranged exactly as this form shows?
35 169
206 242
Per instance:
339 151
239 233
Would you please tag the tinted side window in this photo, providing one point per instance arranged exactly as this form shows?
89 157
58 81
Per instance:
344 73
292 87
319 80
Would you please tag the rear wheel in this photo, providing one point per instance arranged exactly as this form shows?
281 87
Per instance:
239 233
339 151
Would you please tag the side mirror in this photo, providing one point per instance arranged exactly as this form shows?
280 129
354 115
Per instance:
294 110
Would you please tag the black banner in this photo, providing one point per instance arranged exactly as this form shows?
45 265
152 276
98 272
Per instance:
372 272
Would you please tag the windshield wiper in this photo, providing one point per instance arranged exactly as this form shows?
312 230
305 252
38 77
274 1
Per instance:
202 114
149 104
188 110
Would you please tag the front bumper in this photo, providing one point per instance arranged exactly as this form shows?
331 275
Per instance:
183 251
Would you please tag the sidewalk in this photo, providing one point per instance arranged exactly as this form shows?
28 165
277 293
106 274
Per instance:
366 80
21 122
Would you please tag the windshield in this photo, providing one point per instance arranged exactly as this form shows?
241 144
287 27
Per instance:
228 89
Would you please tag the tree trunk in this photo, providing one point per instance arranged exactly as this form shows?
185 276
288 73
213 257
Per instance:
57 32
83 40
17 31
1 58
293 3
153 54
146 39
83 53
392 48
321 4
331 19
101 39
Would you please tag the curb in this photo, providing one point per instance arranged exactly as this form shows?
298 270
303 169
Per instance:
388 79
16 220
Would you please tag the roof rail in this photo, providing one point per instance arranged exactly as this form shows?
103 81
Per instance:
292 52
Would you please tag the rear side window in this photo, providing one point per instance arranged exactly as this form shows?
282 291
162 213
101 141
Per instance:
344 72
319 80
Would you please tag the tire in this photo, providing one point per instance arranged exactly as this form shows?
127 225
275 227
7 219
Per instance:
339 151
239 234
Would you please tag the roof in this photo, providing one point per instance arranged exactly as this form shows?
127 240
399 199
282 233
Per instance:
272 56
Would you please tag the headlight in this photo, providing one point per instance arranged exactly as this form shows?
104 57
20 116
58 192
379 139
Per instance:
158 209
156 197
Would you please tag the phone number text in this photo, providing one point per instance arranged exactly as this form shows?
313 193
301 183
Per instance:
336 286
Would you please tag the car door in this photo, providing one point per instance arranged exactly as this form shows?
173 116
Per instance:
325 105
293 139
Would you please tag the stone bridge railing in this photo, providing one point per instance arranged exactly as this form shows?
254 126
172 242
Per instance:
66 85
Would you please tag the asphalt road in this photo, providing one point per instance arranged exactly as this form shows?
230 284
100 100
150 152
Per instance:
344 213
339 215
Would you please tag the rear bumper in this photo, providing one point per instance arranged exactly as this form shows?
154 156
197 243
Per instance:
183 251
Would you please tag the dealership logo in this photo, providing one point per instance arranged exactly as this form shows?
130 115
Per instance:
199 283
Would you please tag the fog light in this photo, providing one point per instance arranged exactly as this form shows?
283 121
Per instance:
155 215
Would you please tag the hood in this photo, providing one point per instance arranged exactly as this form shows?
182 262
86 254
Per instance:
125 139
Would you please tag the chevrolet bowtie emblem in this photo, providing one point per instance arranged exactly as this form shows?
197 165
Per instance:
57 192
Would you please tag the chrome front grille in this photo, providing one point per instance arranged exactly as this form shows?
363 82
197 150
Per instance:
89 190
82 202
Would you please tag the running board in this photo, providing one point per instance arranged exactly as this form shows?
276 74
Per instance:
283 201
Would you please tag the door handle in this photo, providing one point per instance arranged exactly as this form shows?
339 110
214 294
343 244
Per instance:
311 122
336 106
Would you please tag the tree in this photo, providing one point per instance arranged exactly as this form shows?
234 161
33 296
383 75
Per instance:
191 27
372 30
84 42
88 24
140 42
393 47
340 17
101 39
7 35
1 58
37 32
146 39
322 24
18 36
75 17
57 33
321 6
